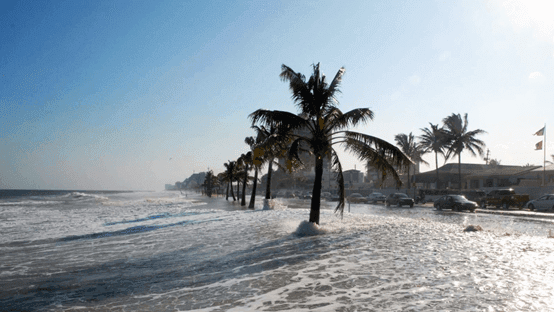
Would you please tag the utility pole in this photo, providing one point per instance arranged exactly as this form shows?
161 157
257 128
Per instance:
487 158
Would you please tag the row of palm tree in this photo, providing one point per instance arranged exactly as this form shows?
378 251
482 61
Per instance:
317 129
450 140
320 126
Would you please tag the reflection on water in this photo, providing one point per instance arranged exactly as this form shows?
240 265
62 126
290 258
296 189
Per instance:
374 259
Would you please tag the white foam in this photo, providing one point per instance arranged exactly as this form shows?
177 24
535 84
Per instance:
373 258
309 229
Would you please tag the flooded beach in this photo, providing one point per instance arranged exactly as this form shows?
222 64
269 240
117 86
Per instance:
170 252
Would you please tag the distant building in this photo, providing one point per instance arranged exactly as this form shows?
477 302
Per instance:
475 176
548 171
353 176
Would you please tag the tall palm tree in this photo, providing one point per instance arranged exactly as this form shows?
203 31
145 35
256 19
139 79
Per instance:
433 140
273 144
247 161
239 168
458 139
320 125
257 161
230 171
410 148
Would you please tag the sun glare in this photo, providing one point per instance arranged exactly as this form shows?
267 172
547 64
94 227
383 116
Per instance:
533 14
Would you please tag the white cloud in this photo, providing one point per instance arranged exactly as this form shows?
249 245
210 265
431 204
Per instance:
536 77
534 14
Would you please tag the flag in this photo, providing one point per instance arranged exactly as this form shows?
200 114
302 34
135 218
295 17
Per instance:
538 146
540 132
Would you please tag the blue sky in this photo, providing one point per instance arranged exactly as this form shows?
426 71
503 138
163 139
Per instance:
101 94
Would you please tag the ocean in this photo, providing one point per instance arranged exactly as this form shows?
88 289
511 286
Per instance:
166 251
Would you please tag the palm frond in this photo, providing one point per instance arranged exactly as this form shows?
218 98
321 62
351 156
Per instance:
375 144
335 83
351 118
382 159
283 121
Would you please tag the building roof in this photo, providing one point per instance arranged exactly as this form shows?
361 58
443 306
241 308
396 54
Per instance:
449 172
351 170
547 168
495 171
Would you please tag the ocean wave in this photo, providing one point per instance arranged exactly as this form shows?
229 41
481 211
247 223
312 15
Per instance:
85 196
31 203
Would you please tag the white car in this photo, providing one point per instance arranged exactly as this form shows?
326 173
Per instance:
545 202
357 198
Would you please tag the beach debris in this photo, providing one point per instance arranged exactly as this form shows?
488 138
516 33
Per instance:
473 228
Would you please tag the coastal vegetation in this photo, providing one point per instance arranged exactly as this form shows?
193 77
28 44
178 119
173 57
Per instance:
410 148
320 125
309 139
433 140
459 138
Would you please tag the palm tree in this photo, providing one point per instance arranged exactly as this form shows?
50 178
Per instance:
410 148
458 139
210 181
238 173
229 176
273 144
433 140
247 161
320 125
257 162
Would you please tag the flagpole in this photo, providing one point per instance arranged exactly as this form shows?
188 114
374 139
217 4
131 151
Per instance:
544 159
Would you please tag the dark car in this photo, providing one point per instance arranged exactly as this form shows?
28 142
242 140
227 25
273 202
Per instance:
399 199
455 202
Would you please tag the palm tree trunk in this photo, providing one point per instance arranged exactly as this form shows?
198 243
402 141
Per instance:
268 186
232 193
437 167
460 171
253 196
243 202
227 196
238 188
316 193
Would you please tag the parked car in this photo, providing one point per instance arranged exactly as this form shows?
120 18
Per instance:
376 197
399 199
504 198
357 198
545 202
456 203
